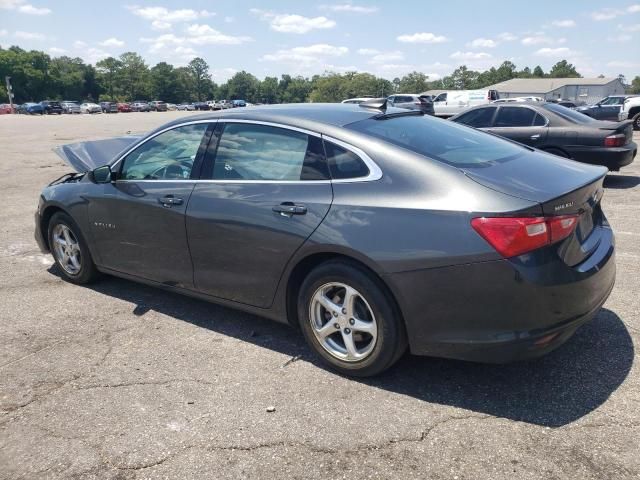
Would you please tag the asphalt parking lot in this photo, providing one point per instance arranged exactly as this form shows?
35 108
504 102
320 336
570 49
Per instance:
123 381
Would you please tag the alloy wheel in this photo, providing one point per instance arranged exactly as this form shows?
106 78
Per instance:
343 322
67 249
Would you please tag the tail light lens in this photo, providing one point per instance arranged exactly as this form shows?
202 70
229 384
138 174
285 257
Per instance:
513 236
617 140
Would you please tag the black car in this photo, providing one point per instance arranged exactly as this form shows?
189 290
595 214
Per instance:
52 107
109 107
606 109
558 130
372 229
201 105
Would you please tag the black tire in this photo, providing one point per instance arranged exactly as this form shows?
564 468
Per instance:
88 272
636 122
391 341
557 152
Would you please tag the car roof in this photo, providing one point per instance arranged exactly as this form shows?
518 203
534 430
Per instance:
333 114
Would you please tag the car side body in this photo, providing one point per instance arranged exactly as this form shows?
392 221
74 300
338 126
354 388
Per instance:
557 129
366 200
606 109
422 103
52 107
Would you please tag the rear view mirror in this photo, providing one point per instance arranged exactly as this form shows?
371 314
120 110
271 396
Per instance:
101 174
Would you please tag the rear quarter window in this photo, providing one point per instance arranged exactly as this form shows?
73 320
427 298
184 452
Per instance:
344 164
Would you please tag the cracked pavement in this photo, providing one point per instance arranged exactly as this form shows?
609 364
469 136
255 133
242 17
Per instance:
123 381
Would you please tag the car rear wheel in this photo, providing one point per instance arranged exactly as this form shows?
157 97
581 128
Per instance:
349 320
70 251
636 122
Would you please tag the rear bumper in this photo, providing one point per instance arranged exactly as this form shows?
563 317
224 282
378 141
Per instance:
612 158
503 310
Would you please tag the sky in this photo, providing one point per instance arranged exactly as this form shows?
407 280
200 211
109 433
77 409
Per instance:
388 39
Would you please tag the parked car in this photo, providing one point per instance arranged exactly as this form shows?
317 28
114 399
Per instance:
185 106
564 102
365 226
631 111
200 106
412 102
239 103
606 109
140 106
6 108
51 107
31 108
70 107
225 104
558 130
452 102
213 105
90 107
124 107
158 106
171 106
109 107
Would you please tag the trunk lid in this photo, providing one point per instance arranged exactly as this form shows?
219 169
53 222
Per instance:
613 128
560 186
86 156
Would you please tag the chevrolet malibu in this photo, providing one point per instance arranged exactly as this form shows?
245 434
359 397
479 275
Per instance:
372 229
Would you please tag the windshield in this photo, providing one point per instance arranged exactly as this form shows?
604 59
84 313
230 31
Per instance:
568 114
441 140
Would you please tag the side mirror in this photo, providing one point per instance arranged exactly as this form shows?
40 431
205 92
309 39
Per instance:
101 174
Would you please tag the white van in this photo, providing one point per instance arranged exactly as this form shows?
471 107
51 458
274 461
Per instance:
452 102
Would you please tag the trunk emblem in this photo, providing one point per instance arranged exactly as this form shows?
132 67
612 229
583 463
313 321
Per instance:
562 206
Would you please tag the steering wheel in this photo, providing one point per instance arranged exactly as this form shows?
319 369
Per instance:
173 170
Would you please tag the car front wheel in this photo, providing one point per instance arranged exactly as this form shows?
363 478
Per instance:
70 250
349 319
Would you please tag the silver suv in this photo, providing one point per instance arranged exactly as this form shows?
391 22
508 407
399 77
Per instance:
412 102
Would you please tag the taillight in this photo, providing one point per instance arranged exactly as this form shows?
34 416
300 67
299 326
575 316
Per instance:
617 140
513 236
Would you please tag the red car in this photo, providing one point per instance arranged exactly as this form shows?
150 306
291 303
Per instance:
124 107
6 108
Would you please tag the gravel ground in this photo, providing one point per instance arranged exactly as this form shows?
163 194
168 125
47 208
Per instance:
123 381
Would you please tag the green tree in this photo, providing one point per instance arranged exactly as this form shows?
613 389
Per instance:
133 76
269 90
243 86
108 75
635 85
164 83
201 79
563 69
463 79
538 72
414 82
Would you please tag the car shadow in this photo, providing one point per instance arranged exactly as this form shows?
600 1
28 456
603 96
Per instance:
551 391
621 181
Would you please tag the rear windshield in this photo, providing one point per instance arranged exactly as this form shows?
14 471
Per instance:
441 140
568 114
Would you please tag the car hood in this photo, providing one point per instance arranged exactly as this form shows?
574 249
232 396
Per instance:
536 176
86 156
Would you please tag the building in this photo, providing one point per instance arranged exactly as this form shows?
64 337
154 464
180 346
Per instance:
578 90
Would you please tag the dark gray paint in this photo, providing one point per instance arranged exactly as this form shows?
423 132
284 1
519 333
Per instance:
411 227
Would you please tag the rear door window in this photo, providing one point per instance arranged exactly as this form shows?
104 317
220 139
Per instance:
514 117
265 153
478 118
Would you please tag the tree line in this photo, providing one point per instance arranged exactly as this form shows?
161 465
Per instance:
35 76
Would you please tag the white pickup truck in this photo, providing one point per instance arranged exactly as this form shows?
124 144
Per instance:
631 111
452 102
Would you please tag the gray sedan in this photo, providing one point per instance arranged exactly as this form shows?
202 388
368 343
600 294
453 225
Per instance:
372 229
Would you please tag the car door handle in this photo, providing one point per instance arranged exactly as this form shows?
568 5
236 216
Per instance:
535 137
169 201
286 209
